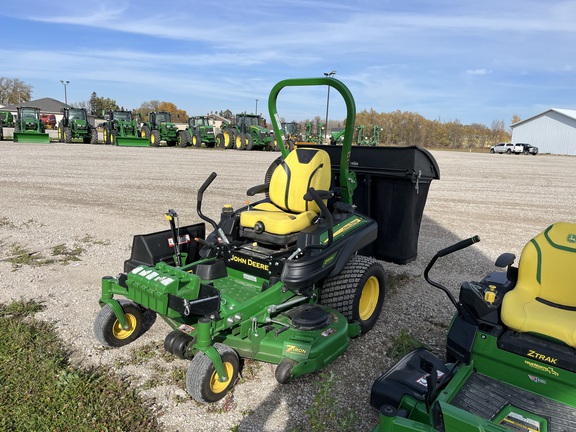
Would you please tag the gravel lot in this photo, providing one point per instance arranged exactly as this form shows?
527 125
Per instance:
98 197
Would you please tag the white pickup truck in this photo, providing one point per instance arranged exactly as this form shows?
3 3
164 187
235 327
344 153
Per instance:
503 148
510 148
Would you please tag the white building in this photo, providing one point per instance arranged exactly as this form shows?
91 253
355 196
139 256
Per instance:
553 131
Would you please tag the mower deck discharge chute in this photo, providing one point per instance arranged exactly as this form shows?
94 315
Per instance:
279 280
510 350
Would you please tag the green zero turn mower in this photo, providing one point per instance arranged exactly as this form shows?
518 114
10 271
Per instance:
511 359
278 281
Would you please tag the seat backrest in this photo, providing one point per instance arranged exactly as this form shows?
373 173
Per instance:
303 168
547 266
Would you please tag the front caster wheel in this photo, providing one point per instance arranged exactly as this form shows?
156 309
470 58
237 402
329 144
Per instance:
108 330
202 380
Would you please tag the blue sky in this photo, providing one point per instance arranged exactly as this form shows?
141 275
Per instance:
472 61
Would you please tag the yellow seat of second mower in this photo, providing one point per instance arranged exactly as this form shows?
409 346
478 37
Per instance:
544 299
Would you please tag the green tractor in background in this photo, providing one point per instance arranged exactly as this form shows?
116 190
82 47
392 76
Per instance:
362 139
160 127
29 127
198 131
337 136
121 129
249 134
291 134
6 120
75 125
311 136
225 138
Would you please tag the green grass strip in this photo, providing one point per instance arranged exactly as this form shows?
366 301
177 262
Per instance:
41 391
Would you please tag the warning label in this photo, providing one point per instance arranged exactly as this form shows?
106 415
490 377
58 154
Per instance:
517 422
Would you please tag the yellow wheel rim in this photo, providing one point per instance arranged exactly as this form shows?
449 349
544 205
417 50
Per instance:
369 298
152 139
143 134
218 387
119 333
238 142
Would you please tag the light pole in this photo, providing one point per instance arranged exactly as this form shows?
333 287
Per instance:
65 83
327 75
256 112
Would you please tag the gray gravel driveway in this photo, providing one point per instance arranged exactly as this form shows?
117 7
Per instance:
97 197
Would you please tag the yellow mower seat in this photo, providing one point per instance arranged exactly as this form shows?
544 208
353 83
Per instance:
544 298
288 212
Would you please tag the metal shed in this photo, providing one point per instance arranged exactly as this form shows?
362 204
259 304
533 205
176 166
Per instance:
553 131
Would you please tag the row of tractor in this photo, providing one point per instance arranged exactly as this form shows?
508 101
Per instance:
29 127
122 128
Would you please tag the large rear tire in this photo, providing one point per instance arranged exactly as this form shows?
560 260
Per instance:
249 143
202 380
239 142
145 132
357 292
93 136
183 138
220 140
67 135
197 140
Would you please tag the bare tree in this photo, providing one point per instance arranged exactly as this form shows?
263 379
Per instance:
13 91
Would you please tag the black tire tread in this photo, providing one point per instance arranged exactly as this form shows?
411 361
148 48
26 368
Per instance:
200 366
339 292
106 318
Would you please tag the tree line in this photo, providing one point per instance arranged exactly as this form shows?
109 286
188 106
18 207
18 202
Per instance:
404 128
408 128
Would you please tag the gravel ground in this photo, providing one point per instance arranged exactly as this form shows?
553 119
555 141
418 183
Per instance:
98 197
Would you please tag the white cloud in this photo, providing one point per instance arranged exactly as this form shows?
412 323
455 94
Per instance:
478 71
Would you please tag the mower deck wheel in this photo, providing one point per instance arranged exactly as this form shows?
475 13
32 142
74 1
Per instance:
202 380
284 370
108 330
